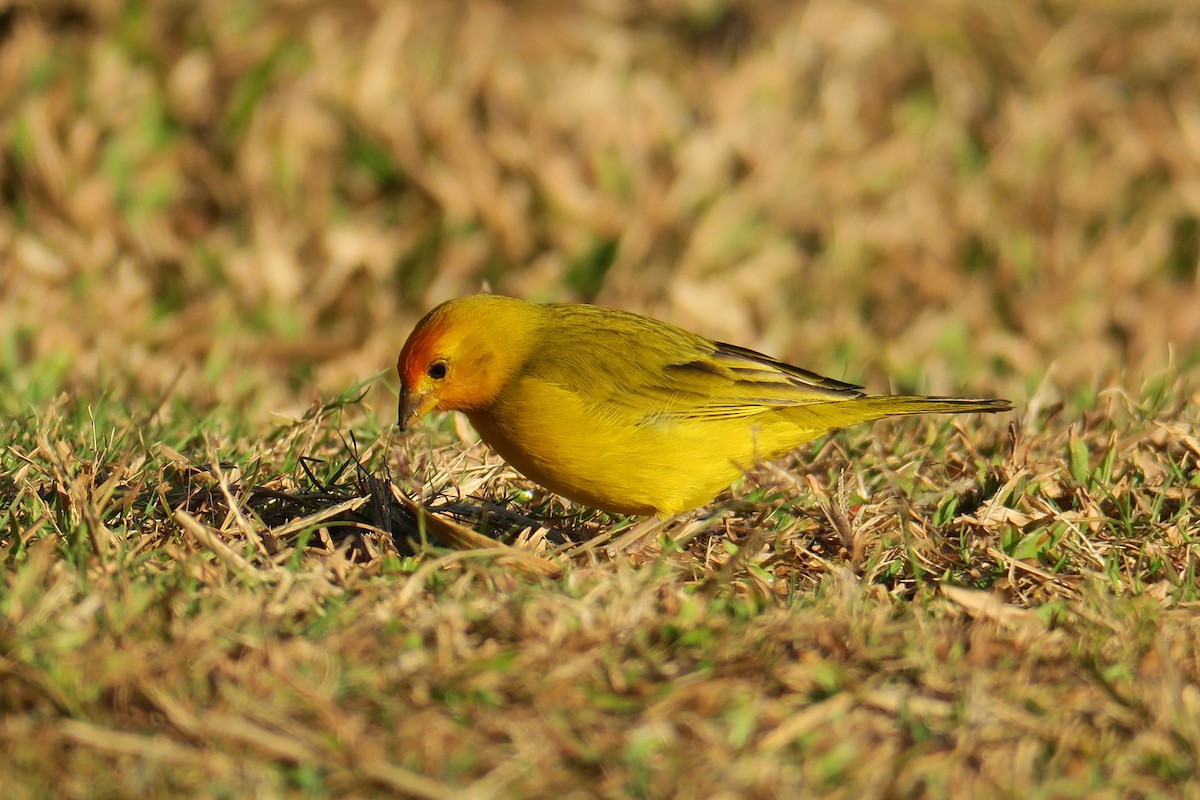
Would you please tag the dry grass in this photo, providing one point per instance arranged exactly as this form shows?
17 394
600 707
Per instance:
218 215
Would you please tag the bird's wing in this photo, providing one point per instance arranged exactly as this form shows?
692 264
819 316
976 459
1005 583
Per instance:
726 381
668 373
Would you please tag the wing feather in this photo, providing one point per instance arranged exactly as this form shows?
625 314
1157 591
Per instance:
666 373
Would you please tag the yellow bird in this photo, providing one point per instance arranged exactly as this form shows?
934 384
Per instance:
623 412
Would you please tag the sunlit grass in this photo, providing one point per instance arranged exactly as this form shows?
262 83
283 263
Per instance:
809 615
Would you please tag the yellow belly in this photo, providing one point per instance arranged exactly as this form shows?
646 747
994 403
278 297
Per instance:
615 460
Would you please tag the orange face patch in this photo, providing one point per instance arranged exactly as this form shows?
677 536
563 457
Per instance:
418 351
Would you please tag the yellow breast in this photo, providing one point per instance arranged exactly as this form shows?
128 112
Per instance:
619 462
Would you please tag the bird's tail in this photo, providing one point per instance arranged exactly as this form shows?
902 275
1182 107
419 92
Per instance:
864 409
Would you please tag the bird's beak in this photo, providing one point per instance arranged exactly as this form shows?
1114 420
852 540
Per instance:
413 406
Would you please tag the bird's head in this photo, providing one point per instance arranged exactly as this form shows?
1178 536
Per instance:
461 354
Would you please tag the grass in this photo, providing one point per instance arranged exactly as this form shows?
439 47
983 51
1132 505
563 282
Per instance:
227 575
1010 612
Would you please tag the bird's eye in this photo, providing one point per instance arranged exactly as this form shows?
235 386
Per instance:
437 370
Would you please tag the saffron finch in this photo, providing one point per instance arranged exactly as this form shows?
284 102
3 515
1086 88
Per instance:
619 411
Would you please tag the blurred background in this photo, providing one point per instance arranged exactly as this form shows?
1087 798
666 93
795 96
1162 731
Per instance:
251 203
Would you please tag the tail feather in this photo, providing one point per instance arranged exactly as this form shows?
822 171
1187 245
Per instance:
870 407
895 405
